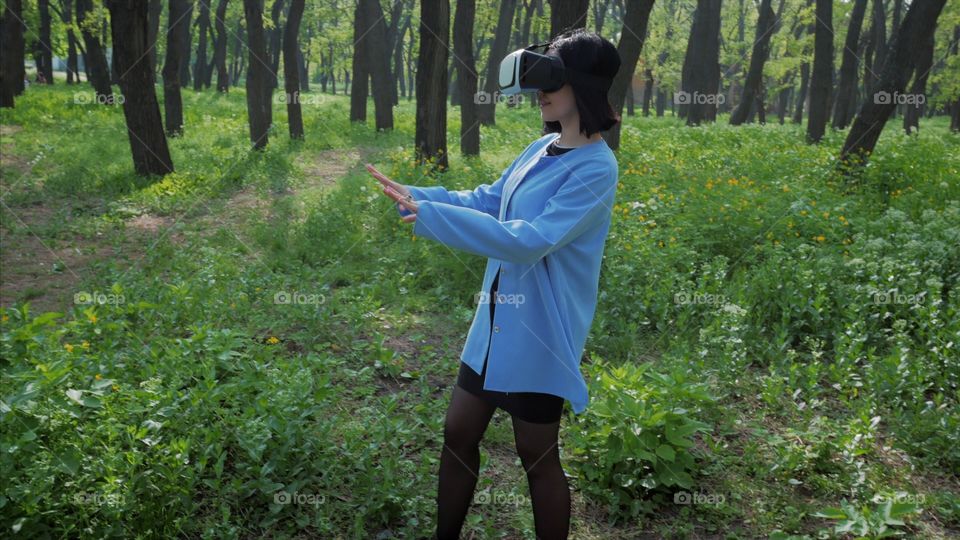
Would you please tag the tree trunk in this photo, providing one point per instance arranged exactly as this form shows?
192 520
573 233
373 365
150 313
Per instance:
921 19
11 61
361 71
220 48
843 108
45 68
632 36
567 15
379 63
291 69
94 57
258 75
750 99
130 31
463 22
916 99
66 15
701 68
186 46
275 42
955 108
487 100
203 27
822 77
647 90
154 9
431 122
176 33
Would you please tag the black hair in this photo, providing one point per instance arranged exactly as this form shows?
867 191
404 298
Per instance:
587 52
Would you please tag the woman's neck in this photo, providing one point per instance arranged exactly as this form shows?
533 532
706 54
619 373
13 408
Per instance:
571 137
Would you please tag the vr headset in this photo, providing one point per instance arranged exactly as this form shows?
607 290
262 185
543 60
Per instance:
524 70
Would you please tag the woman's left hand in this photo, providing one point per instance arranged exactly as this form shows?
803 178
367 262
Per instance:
404 200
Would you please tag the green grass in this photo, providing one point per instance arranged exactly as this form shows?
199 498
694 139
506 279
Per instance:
808 324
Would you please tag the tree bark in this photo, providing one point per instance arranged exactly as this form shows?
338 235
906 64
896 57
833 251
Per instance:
431 86
701 67
916 99
921 18
275 42
463 21
220 48
379 63
259 110
176 33
185 45
291 69
486 107
203 27
843 108
154 9
130 31
822 77
567 15
359 80
750 99
11 61
632 37
94 56
45 68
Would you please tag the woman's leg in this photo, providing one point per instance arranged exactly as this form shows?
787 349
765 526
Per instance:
537 447
467 419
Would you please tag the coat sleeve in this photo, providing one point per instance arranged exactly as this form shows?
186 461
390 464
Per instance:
485 198
581 202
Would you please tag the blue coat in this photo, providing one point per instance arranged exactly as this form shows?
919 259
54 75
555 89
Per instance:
543 226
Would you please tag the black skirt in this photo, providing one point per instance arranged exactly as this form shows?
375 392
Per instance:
533 407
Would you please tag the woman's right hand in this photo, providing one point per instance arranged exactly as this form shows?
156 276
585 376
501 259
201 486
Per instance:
395 186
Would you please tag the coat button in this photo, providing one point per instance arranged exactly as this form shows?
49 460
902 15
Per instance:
496 328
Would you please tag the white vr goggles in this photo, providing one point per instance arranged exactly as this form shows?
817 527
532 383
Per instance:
526 71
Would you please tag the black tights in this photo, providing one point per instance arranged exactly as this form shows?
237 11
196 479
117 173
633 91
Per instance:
466 421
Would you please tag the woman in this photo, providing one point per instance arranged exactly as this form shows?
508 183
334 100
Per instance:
543 226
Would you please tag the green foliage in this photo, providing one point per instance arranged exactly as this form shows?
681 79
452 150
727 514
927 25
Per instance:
636 437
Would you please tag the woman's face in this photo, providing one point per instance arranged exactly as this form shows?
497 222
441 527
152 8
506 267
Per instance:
557 105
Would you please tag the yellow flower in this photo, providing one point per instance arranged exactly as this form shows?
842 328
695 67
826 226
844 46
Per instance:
115 388
5 318
85 344
786 188
273 340
826 214
92 317
68 347
98 377
820 238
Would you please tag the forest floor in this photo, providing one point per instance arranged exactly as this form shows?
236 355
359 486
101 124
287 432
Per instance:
229 223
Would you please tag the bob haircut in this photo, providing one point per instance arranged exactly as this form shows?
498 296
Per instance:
589 53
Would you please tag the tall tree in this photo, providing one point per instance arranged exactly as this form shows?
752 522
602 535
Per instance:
154 10
632 37
921 18
701 67
360 80
291 69
66 16
176 34
186 47
463 21
378 62
11 61
916 98
822 79
259 111
501 39
220 48
567 14
750 100
274 44
804 72
844 106
431 129
94 57
876 47
130 30
45 68
203 27
954 106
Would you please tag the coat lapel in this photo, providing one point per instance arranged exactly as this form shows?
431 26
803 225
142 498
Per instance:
518 175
